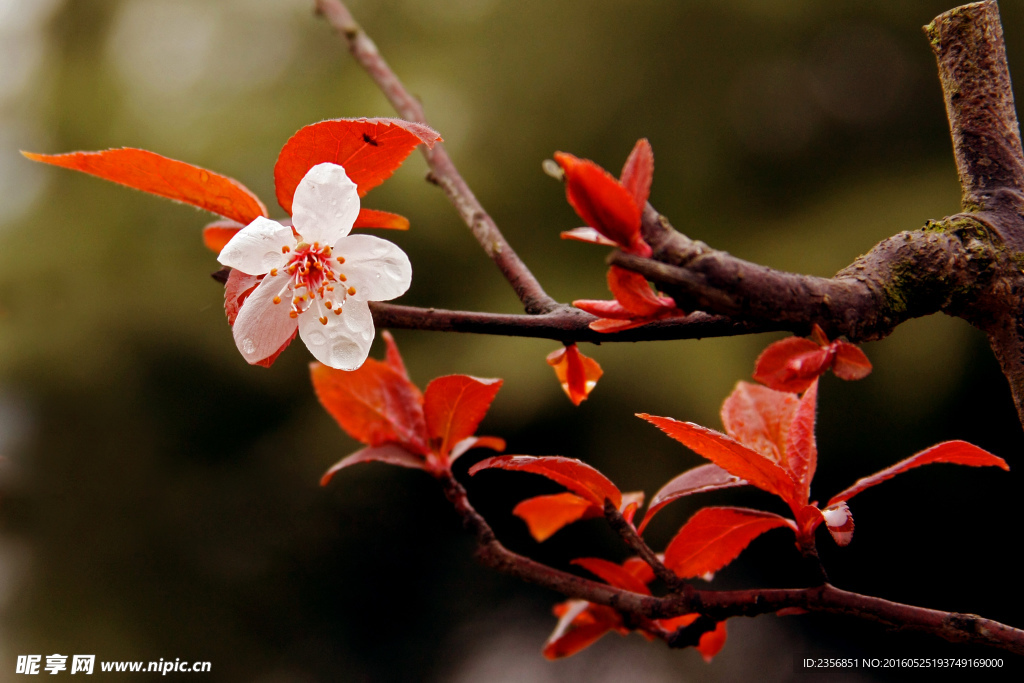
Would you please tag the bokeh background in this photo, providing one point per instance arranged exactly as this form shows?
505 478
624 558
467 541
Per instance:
159 497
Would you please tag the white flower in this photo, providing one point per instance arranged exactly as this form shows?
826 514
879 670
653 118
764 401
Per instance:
317 277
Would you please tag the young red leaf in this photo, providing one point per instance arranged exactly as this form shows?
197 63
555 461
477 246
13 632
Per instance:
492 442
850 362
454 406
374 404
715 536
602 202
839 521
638 172
219 233
635 294
369 149
389 453
613 574
759 418
236 289
954 452
544 515
712 642
577 373
164 177
708 477
392 357
371 218
730 455
580 625
791 364
575 475
801 447
588 235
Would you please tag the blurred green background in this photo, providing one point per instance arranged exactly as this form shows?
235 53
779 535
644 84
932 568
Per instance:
159 497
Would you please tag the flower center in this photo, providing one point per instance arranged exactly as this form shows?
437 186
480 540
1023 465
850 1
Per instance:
314 281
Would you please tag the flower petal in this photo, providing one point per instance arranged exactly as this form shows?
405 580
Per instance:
257 248
263 326
377 269
344 342
326 204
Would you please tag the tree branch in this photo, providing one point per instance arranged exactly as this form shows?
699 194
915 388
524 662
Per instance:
565 324
719 605
442 170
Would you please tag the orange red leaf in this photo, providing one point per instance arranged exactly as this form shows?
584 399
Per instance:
375 404
602 202
703 478
391 454
638 172
575 475
577 373
953 452
613 574
371 218
369 149
730 455
544 515
165 177
715 536
454 405
759 418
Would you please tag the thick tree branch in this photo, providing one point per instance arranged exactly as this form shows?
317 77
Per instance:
442 170
908 275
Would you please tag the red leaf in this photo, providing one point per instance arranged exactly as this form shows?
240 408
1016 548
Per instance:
640 569
577 373
635 294
392 357
219 233
454 406
581 625
638 172
389 453
791 364
954 452
544 515
759 418
165 177
712 642
492 442
238 287
850 362
715 536
369 149
708 477
602 202
370 218
801 448
730 455
588 235
604 308
575 475
613 574
374 404
839 521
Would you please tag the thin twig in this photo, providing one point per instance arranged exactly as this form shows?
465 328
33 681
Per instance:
442 170
565 324
637 544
